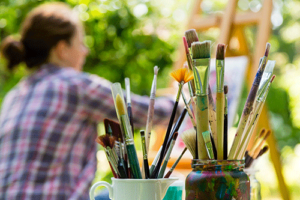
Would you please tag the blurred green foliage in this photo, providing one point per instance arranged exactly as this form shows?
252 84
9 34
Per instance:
127 38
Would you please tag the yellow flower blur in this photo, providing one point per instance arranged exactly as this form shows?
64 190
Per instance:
182 74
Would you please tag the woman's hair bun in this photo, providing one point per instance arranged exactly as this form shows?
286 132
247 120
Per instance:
13 51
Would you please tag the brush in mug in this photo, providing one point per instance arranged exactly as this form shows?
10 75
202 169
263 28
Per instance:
145 156
182 76
116 131
175 129
168 154
150 115
128 101
175 164
107 142
126 129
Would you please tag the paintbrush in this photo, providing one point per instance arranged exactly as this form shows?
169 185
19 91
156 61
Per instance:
208 144
155 161
150 114
187 106
259 146
163 168
248 107
176 127
257 149
121 164
220 101
182 76
201 63
151 109
257 140
113 128
249 162
190 65
212 120
104 141
225 144
191 36
128 100
145 156
116 131
126 130
253 121
189 138
262 151
175 164
131 151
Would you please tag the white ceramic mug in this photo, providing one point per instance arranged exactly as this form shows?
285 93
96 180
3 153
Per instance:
135 189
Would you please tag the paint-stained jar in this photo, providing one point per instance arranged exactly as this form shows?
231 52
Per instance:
212 179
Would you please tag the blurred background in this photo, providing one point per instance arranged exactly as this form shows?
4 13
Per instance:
128 37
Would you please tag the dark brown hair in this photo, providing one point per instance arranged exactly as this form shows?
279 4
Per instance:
42 29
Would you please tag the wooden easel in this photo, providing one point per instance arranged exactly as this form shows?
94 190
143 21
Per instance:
232 26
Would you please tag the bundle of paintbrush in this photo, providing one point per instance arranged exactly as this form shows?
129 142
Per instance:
118 141
256 149
209 139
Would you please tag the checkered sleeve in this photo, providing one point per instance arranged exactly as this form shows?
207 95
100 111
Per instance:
98 99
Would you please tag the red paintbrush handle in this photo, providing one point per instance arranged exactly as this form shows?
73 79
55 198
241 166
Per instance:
168 174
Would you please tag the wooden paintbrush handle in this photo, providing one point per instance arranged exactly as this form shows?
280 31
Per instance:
202 125
220 124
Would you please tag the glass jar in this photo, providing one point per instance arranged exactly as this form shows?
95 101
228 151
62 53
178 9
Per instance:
214 179
255 186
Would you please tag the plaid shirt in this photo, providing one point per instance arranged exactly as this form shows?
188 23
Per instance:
48 126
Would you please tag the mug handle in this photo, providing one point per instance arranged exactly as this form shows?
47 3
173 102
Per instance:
101 183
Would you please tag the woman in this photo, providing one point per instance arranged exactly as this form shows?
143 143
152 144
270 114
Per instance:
48 120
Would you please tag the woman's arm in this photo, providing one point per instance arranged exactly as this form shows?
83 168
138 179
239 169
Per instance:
99 104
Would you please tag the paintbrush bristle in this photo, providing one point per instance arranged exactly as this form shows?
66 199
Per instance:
175 136
104 140
270 66
206 136
99 141
189 139
115 127
201 49
262 132
191 36
264 150
220 52
225 89
186 46
120 105
112 141
267 134
268 46
156 70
